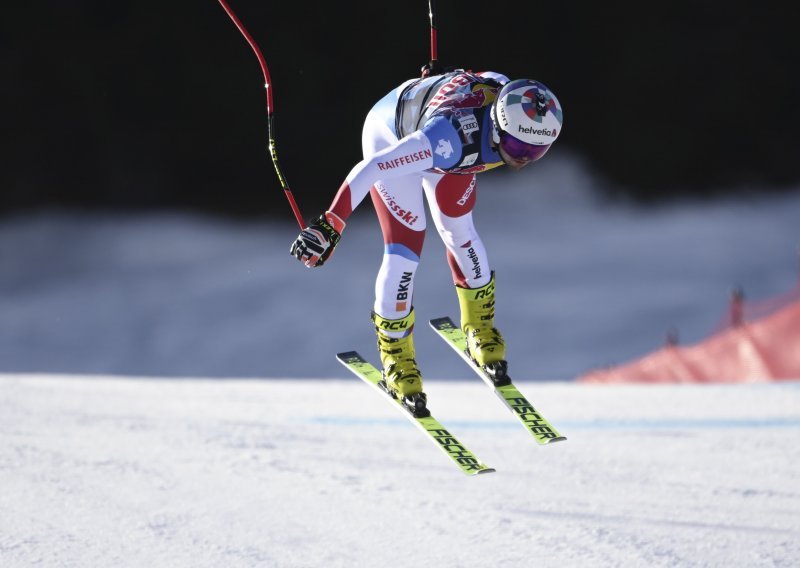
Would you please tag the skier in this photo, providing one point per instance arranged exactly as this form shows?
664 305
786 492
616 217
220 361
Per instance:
432 135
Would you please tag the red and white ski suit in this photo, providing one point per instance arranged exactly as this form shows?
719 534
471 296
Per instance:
426 137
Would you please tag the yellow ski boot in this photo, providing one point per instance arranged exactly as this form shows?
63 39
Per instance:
484 342
403 378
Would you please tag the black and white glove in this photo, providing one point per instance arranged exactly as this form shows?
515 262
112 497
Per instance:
431 68
316 242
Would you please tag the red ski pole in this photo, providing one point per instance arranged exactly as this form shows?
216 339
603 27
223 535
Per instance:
433 67
432 16
270 111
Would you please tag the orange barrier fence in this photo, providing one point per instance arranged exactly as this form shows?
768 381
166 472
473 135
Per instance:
755 342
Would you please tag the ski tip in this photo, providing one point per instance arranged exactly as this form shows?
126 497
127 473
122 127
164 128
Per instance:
554 440
486 470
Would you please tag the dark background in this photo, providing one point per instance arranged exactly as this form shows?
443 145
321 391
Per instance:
141 105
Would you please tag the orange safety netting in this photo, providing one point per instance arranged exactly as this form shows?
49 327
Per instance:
755 342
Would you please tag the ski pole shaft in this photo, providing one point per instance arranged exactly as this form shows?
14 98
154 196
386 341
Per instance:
432 16
270 110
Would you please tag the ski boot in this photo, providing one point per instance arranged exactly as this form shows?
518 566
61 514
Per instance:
485 344
401 377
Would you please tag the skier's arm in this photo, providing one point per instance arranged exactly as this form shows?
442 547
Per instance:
411 154
316 243
414 153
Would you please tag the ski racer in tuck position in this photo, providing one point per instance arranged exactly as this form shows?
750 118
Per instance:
432 136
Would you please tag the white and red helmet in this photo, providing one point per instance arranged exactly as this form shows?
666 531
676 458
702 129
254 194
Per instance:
527 117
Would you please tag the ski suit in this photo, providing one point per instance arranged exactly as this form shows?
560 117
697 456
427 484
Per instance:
427 136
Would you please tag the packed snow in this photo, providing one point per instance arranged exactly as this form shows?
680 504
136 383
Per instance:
126 472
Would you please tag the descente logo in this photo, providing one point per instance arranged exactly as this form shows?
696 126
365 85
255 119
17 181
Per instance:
470 189
539 131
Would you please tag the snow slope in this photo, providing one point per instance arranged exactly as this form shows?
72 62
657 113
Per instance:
127 472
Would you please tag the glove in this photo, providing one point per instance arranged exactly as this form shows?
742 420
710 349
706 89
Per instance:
316 243
431 68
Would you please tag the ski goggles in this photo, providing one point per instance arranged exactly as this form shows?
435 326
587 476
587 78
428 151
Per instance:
519 150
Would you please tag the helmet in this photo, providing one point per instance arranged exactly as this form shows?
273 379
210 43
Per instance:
527 117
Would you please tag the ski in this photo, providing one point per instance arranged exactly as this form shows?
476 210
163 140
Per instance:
455 450
533 421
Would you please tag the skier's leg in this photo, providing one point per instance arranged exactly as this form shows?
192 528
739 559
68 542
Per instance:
400 208
451 199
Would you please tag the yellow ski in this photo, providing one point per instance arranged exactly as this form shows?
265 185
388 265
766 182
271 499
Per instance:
455 450
528 415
